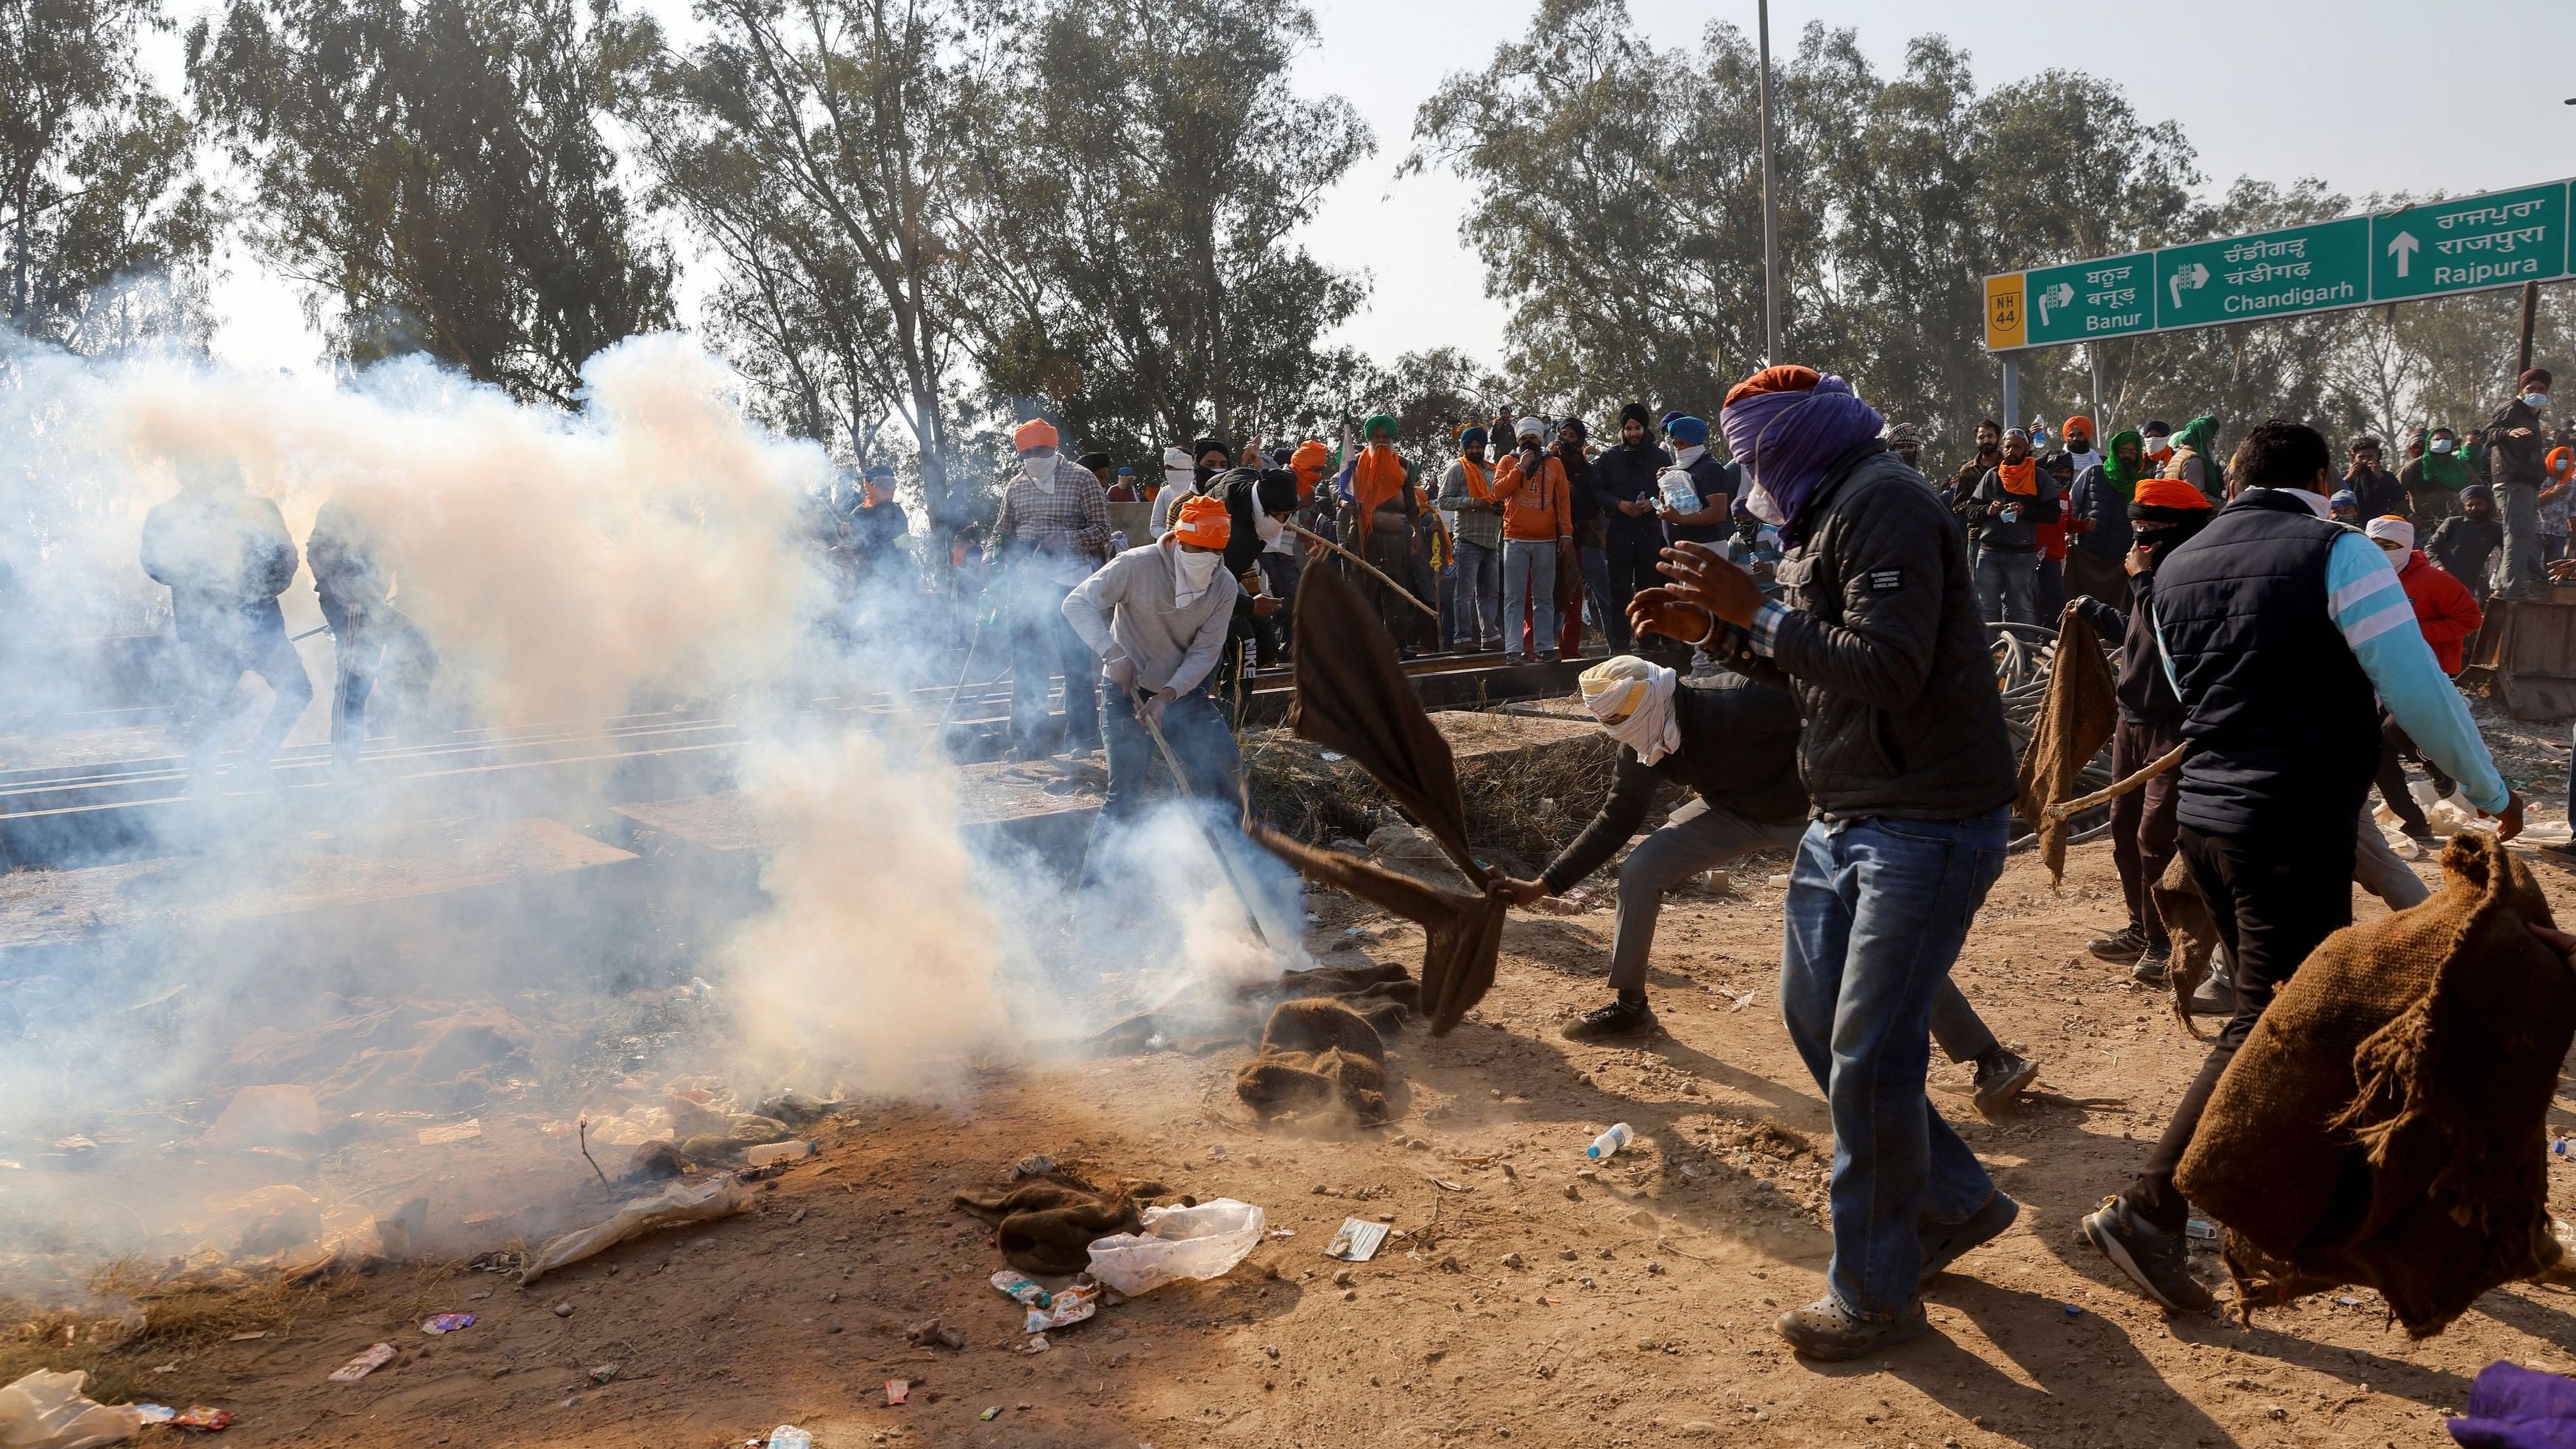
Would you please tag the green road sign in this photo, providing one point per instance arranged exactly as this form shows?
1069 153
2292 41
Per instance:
2501 239
2241 279
2105 298
2465 244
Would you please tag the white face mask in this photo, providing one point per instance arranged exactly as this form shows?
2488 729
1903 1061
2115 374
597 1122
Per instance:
2535 400
2157 447
1039 463
1192 573
2441 445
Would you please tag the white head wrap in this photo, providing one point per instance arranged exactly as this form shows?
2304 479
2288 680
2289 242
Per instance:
2393 529
1633 700
1529 427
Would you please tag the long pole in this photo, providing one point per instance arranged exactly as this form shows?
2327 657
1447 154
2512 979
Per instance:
1771 207
2530 314
1380 574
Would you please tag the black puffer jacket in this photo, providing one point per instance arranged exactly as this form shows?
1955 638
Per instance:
1884 651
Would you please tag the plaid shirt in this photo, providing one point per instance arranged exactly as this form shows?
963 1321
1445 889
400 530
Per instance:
1070 525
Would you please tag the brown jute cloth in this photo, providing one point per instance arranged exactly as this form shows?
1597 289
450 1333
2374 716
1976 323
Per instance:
1316 1054
2385 1122
1353 697
2075 721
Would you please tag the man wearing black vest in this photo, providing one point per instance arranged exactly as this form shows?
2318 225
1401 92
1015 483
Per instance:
2283 633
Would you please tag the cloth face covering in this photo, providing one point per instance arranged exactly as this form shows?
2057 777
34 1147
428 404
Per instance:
1040 467
1191 574
1633 700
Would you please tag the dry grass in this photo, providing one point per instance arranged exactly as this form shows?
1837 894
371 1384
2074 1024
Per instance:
135 1318
1528 800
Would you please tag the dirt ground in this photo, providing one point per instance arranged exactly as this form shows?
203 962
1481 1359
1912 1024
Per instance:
1532 1299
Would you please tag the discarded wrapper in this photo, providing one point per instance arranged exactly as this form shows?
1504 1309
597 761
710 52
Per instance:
989 1415
896 1389
1356 1241
364 1364
788 1436
1069 1306
1022 1288
203 1419
438 1323
769 1152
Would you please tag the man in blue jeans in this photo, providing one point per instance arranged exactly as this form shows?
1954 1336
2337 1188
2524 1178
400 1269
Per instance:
1157 616
1904 753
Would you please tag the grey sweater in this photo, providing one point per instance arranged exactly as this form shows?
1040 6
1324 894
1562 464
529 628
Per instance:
1125 611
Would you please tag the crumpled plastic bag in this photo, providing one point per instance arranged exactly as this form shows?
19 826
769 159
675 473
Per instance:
47 1410
1205 1241
681 1202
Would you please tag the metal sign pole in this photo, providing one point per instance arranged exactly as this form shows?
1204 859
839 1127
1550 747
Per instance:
1770 207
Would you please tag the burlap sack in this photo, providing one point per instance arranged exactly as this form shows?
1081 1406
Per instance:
2075 721
2384 1124
1316 1054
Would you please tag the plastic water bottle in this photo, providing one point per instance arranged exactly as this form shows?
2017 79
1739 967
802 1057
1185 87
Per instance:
1679 495
788 1436
1619 1135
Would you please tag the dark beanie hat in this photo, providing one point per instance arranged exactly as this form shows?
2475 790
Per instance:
1207 445
1276 492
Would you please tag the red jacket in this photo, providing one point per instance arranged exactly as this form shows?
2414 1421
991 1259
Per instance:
2444 607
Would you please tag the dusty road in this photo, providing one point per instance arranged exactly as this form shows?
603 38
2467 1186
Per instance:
1551 1304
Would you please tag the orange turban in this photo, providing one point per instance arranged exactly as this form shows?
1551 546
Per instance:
2078 420
1202 521
1309 463
1035 433
2169 493
1786 377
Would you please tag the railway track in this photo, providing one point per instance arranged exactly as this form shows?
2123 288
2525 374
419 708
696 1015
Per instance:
107 784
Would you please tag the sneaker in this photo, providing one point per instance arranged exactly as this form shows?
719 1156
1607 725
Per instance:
1826 1330
2002 1074
1547 659
1511 658
2216 997
2152 967
2121 947
2157 1261
1618 1019
1945 1243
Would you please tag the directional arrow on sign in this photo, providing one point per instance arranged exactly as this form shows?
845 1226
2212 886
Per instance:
2053 298
2191 278
2402 246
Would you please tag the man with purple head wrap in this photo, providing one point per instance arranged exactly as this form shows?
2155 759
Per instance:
1904 753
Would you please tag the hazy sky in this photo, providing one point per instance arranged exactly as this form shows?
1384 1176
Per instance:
2371 95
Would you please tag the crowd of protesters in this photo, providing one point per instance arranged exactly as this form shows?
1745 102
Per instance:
2288 627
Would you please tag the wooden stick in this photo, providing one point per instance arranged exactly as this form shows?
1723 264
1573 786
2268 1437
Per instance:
1408 594
2056 813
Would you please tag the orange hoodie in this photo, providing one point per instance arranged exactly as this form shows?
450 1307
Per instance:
1535 510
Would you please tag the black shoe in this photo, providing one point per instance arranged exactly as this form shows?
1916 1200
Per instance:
2157 1261
2002 1074
1825 1330
1620 1018
2424 837
2121 947
1945 1243
2152 967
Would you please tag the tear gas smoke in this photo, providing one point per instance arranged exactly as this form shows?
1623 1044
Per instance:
385 962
